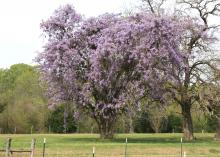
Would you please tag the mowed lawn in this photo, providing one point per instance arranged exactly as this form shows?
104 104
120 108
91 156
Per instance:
139 145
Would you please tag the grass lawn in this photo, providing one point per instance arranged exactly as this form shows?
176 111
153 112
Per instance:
139 145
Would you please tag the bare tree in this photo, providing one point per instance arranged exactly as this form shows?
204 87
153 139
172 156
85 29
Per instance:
199 69
198 45
157 117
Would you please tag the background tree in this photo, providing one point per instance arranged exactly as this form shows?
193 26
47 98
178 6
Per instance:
27 110
3 102
157 117
210 96
174 123
56 123
215 105
200 120
26 105
142 123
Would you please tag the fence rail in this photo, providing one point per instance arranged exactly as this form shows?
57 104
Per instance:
8 151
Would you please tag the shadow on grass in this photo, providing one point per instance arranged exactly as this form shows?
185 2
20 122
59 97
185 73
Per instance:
150 140
61 140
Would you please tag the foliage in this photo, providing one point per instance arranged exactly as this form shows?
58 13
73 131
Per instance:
56 121
27 108
25 105
2 96
174 123
86 124
157 117
142 124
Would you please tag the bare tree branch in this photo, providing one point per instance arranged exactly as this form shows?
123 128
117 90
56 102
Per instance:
154 6
150 5
204 62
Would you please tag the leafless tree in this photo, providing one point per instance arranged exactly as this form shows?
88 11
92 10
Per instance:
202 63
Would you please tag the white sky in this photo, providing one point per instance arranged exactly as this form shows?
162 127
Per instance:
20 34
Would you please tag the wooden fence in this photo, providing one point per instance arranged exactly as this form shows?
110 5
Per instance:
9 151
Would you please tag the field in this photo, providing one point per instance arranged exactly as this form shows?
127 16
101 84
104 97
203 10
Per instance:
139 145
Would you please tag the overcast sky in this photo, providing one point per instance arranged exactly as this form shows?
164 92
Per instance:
20 35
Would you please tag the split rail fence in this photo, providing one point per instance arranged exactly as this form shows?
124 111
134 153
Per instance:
9 151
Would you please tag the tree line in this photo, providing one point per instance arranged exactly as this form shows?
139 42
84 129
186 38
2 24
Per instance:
24 109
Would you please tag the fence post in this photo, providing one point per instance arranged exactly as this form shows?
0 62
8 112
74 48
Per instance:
181 147
32 129
184 154
126 143
44 146
15 130
93 152
8 148
32 147
49 129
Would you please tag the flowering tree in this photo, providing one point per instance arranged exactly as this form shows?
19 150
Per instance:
102 63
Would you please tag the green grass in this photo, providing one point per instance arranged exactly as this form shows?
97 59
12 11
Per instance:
139 145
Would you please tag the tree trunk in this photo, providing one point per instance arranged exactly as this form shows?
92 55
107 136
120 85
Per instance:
187 122
131 127
217 134
157 130
106 128
65 116
106 134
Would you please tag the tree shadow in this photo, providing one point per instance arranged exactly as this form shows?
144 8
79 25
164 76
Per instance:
143 139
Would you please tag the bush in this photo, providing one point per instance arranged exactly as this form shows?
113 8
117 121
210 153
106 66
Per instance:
142 124
56 121
174 123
